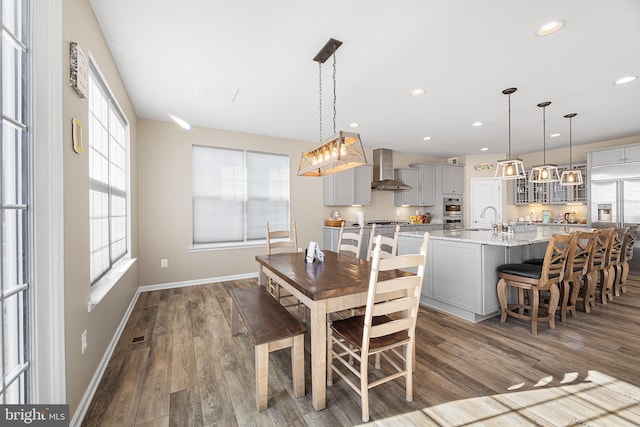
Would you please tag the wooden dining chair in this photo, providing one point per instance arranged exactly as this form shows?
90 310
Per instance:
577 269
627 254
350 242
594 266
534 278
614 262
282 241
387 327
389 245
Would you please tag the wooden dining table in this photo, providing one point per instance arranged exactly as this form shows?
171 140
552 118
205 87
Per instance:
338 283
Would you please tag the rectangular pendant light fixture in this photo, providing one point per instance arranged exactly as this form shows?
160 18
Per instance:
342 150
510 168
547 172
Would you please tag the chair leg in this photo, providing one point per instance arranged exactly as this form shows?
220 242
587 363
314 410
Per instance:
535 302
623 276
502 298
329 355
364 387
409 370
590 290
553 305
565 302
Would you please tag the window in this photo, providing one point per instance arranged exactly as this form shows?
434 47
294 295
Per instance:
235 193
15 199
108 141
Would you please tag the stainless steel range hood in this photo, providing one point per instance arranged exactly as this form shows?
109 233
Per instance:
383 178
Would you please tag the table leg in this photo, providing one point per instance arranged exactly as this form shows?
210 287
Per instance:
318 354
262 278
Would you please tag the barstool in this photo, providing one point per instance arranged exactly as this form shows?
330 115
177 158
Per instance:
627 254
534 278
601 261
578 262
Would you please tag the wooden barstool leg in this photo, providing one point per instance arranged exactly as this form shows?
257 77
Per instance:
502 298
553 305
535 302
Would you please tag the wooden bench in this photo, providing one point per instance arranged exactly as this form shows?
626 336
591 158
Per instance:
271 327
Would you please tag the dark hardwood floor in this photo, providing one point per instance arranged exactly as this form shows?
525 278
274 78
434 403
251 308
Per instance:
176 364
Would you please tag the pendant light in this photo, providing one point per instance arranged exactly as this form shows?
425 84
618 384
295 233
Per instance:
571 176
510 168
342 150
546 172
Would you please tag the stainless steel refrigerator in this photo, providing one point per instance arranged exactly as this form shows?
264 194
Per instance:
615 198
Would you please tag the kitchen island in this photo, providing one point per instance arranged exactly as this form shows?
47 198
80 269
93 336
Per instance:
461 272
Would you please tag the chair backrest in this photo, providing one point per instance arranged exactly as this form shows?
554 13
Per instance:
389 244
629 241
601 248
350 242
554 259
616 246
580 253
282 239
399 297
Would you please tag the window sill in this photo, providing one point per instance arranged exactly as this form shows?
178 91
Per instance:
226 246
102 287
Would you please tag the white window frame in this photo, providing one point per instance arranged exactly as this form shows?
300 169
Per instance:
101 286
246 242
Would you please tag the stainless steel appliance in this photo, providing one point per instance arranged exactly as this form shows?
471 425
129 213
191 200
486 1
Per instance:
615 198
452 213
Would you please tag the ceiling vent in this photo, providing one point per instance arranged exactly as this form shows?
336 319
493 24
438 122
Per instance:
224 94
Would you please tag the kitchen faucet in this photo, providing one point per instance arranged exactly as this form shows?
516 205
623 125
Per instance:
495 214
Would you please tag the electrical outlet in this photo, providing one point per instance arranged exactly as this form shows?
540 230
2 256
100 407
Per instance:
164 263
84 341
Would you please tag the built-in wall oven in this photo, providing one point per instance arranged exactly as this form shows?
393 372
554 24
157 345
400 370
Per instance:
452 213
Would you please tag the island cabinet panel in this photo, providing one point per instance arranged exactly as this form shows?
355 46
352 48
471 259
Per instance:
457 270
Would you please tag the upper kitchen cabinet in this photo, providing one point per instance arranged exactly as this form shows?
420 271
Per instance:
526 192
561 194
424 191
616 155
452 179
407 197
350 187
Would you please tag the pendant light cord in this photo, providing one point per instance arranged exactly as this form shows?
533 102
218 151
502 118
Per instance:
570 139
544 135
509 127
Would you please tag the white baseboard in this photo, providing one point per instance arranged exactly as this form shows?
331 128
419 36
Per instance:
102 366
78 417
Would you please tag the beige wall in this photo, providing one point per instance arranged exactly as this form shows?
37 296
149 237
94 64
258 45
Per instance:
165 202
79 25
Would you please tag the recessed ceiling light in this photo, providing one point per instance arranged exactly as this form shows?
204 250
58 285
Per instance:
484 149
418 92
549 28
354 125
554 135
625 80
426 138
183 124
476 124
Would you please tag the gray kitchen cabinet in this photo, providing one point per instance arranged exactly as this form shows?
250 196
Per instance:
561 194
426 194
350 187
525 192
616 155
452 179
407 197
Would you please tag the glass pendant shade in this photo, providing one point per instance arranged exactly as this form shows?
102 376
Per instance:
571 176
341 151
510 168
544 173
547 172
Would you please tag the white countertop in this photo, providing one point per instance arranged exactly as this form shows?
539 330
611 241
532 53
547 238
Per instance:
486 237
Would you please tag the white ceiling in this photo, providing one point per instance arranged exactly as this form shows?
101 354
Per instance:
184 57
